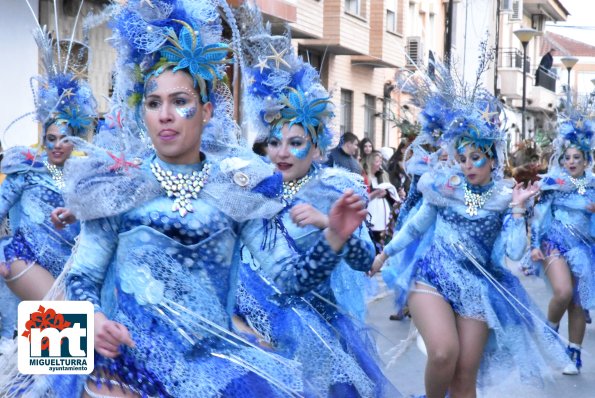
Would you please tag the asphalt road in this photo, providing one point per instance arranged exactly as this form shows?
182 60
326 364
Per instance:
407 372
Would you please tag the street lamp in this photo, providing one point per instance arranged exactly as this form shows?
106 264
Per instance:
524 35
568 62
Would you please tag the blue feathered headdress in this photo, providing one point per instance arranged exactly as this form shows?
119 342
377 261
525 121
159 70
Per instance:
280 88
577 131
63 99
151 36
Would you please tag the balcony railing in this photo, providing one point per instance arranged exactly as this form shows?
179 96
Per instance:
546 79
513 58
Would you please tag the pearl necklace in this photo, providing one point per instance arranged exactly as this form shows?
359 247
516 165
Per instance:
56 173
580 184
291 188
184 187
475 201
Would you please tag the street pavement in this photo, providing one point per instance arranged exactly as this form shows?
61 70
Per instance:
407 372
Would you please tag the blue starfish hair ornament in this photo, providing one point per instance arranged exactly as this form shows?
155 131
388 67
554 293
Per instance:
63 99
311 114
187 52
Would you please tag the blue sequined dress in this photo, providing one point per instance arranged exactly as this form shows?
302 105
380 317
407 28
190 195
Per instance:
325 329
563 224
28 195
464 262
171 280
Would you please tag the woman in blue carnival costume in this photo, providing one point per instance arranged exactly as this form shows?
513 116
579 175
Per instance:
467 306
560 238
157 250
36 252
286 103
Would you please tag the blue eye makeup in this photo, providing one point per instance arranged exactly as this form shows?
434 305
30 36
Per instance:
480 163
301 153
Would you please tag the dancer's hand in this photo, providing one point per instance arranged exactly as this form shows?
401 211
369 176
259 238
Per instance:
61 217
537 255
346 215
377 264
591 207
305 214
520 194
109 335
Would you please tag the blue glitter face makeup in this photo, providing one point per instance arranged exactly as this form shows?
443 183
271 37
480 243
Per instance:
303 152
186 113
480 163
50 145
461 149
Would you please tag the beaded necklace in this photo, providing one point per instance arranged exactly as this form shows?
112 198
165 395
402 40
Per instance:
56 173
475 201
291 188
580 184
183 187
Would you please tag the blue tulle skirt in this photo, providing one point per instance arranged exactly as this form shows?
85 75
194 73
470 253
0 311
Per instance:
337 355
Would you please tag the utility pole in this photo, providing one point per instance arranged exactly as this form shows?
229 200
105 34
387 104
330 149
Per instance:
448 32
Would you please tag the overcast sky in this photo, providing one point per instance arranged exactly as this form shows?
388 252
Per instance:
581 22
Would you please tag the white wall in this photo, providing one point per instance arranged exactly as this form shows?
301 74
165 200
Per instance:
18 64
473 18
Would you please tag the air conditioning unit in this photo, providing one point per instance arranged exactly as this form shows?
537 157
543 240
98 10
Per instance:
517 10
538 22
414 51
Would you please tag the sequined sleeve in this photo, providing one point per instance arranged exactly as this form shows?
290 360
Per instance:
413 197
359 251
542 212
515 232
93 254
413 228
295 273
10 192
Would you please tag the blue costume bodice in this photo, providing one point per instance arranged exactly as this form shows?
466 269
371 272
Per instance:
444 209
347 283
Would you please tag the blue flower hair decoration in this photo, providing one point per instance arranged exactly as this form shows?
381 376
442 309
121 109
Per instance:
280 88
308 113
201 61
